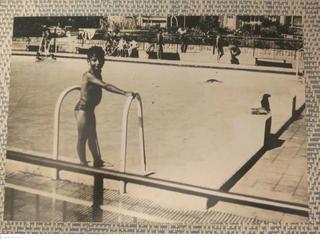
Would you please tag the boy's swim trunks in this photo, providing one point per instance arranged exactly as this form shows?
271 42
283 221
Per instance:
84 106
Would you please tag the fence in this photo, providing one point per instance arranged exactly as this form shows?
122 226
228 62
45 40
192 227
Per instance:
285 50
251 42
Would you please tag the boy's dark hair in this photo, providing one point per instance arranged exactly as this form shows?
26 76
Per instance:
97 51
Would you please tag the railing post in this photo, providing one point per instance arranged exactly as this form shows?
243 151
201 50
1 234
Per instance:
97 191
141 136
299 56
97 215
37 207
294 103
267 132
254 47
124 140
11 201
297 63
124 136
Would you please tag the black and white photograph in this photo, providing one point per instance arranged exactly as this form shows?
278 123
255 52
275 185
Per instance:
157 119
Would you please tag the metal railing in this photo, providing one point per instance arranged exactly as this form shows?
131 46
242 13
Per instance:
276 205
56 124
124 127
192 39
124 137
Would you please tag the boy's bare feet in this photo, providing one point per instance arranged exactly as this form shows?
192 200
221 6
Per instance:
100 163
85 163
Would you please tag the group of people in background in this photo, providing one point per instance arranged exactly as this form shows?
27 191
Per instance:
218 46
156 47
122 47
128 47
45 45
233 47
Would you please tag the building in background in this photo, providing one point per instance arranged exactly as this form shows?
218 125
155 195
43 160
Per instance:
33 26
148 21
235 22
252 25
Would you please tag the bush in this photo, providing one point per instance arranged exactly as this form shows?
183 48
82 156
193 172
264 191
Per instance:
271 32
172 29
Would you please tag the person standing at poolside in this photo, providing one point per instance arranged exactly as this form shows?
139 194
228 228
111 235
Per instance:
234 52
90 96
183 39
219 47
160 44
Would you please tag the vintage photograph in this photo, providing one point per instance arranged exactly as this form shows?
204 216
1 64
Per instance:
157 119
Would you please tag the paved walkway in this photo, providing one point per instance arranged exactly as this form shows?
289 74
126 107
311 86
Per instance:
195 53
28 199
280 174
197 60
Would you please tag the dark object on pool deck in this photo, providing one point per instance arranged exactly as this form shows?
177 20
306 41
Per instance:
41 57
213 81
265 106
270 63
82 50
165 56
265 102
32 48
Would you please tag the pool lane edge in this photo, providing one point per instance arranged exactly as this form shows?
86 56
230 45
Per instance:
247 68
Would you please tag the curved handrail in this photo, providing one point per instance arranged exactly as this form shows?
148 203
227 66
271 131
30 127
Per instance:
124 136
56 129
56 125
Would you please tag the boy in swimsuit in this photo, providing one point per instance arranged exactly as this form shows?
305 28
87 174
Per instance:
90 96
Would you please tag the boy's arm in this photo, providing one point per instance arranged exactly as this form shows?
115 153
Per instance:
107 86
114 89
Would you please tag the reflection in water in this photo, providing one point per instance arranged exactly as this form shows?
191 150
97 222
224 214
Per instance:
22 206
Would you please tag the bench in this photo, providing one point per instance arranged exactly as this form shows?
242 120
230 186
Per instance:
271 57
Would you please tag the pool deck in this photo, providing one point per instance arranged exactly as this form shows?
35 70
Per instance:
199 63
281 173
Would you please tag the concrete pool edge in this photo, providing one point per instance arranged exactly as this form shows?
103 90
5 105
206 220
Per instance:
248 68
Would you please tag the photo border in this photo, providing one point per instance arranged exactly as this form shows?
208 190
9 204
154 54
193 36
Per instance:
307 9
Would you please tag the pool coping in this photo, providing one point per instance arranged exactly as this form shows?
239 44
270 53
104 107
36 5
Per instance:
180 63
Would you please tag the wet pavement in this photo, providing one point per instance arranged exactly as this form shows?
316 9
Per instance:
22 205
